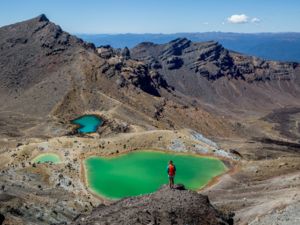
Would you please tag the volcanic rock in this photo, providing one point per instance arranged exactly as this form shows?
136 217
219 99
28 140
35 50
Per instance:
174 62
164 207
105 51
125 53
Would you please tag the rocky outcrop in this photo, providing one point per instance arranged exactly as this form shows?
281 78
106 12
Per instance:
105 51
164 207
127 71
125 53
258 70
139 75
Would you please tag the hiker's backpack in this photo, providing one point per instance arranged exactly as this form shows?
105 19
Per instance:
171 170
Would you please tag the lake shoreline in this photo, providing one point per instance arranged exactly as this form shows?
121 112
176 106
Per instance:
229 167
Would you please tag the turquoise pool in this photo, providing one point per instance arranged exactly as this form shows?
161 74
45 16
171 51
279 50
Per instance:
87 123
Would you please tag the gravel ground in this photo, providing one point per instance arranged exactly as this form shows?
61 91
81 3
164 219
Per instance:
287 216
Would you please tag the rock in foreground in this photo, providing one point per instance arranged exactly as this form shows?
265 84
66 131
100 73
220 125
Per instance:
163 207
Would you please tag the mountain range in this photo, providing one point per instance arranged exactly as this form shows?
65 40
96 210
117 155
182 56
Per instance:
270 46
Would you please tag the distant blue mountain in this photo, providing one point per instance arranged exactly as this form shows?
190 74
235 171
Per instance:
273 46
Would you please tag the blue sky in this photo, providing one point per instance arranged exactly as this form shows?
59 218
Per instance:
159 16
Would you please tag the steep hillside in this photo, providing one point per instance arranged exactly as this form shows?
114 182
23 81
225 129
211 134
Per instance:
36 55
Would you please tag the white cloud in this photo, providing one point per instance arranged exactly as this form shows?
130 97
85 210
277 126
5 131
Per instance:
205 23
241 18
255 20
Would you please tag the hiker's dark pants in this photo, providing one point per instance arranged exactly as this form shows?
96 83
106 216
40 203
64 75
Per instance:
171 181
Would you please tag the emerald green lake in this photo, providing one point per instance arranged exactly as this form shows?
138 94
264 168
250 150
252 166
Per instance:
48 157
87 123
142 172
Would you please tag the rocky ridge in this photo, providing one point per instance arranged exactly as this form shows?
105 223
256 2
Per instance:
220 77
211 60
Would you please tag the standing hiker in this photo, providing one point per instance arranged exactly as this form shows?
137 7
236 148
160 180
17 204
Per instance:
171 170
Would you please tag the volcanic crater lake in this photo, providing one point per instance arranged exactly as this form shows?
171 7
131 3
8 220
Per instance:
87 123
47 157
142 172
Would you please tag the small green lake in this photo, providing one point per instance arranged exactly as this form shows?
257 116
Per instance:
142 172
87 123
47 157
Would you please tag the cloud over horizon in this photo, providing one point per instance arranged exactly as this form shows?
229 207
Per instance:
242 18
238 18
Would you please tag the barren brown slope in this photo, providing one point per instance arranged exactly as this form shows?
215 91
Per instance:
38 65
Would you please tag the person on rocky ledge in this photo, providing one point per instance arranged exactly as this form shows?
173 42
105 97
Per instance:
171 170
